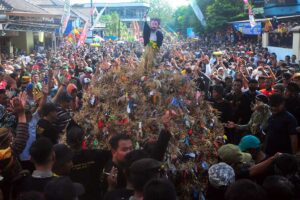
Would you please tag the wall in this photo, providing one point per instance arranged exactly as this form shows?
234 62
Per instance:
281 52
282 9
24 41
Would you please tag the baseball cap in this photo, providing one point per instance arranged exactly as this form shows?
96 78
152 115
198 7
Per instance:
145 164
25 79
63 154
231 154
249 142
88 69
262 98
62 188
71 87
220 175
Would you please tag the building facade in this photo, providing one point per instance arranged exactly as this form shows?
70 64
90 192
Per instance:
33 24
131 13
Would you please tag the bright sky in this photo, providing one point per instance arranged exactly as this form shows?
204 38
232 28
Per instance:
173 3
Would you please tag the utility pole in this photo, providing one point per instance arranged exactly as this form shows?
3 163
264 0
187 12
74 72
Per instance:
92 16
119 32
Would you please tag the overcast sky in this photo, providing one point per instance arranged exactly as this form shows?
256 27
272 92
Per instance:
173 3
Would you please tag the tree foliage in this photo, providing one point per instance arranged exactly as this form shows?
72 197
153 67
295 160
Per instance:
161 9
184 17
216 13
222 11
113 24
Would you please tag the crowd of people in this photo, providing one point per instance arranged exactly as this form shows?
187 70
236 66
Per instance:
44 154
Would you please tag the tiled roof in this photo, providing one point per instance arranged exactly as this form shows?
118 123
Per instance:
47 2
25 6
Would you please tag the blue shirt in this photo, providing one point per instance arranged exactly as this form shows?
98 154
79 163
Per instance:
24 156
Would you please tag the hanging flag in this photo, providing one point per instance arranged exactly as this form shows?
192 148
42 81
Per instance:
66 16
83 35
198 12
96 21
250 13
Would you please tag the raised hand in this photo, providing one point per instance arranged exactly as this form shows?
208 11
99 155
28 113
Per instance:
19 103
45 89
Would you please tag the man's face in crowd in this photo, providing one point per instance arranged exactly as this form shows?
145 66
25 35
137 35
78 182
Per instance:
216 95
228 82
154 25
237 86
294 58
124 147
35 78
253 87
277 109
287 59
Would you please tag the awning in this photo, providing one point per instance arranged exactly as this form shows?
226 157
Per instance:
33 27
265 19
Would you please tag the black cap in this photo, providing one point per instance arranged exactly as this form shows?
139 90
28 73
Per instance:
62 188
262 98
144 165
63 154
253 80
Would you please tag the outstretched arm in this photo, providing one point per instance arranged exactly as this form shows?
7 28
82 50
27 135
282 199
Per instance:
146 31
19 142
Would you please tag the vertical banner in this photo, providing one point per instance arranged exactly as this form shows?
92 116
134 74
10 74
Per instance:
198 12
65 18
250 13
83 35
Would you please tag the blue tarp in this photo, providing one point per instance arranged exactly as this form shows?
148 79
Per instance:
111 38
190 33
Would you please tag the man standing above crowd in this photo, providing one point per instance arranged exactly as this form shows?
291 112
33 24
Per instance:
153 39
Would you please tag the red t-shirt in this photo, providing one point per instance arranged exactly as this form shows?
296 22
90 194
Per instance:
267 92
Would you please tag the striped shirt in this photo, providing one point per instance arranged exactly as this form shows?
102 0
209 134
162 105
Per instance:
20 140
63 119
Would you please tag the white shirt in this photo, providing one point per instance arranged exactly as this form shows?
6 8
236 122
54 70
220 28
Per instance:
153 36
